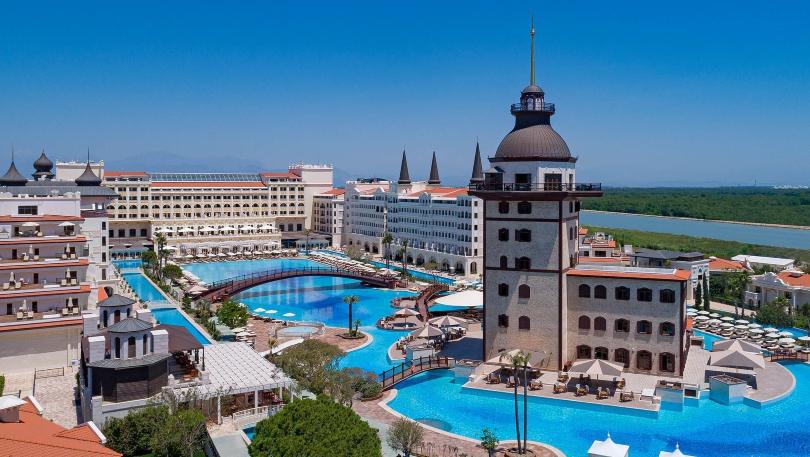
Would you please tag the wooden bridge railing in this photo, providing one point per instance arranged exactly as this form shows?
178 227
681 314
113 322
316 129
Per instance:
405 370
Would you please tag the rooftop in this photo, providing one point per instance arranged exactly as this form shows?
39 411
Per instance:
763 260
610 271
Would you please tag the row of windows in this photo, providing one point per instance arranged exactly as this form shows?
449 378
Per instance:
623 293
644 359
643 327
521 235
524 323
521 263
526 207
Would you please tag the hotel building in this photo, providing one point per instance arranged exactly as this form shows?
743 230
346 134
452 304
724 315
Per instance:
54 256
442 225
327 215
792 285
536 296
212 213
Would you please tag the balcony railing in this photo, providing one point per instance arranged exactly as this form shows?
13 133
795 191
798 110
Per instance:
537 187
538 107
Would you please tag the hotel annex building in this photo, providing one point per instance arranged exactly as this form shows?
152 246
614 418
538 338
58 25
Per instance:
537 298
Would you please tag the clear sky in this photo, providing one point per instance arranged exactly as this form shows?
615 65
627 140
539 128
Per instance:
647 93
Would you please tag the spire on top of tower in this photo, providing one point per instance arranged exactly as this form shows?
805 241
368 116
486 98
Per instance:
434 172
404 176
478 169
532 87
531 76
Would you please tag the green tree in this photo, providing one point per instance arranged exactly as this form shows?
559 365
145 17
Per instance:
698 296
404 435
2 384
519 361
183 433
489 441
387 239
315 428
132 434
404 252
706 299
232 314
774 313
149 260
172 272
307 232
351 300
310 363
161 251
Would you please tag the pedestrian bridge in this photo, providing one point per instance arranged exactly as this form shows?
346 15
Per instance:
225 288
392 376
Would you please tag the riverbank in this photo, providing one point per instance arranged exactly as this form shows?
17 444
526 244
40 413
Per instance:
756 224
709 246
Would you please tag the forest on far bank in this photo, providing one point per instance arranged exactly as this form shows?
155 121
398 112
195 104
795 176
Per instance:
743 204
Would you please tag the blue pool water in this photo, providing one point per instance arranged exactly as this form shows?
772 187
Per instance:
416 274
145 290
171 316
250 431
121 264
708 339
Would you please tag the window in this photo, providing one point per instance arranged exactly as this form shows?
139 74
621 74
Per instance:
600 353
644 360
622 326
666 362
503 320
584 291
503 207
584 323
666 329
622 293
523 291
583 352
29 210
644 327
600 292
524 323
524 208
523 263
644 294
667 296
145 345
503 289
117 348
131 347
504 262
600 324
622 356
523 235
503 234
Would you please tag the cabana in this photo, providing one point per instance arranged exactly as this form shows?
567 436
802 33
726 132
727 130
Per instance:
676 453
608 448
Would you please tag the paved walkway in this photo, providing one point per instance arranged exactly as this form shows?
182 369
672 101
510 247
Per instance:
59 398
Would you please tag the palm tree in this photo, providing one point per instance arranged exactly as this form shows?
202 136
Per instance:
386 241
160 243
306 246
519 361
404 252
351 300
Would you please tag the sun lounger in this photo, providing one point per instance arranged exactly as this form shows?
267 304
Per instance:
626 396
621 383
493 378
562 377
64 311
30 314
63 282
602 393
17 285
20 315
535 384
559 388
5 286
36 257
511 382
580 390
64 256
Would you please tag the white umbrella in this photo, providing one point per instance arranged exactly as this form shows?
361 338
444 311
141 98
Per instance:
608 448
786 340
405 312
756 331
691 312
66 224
427 331
741 327
770 329
447 321
785 333
726 319
804 339
714 315
596 367
726 325
189 256
30 224
221 254
741 321
259 310
754 325
288 314
714 321
702 318
772 335
703 313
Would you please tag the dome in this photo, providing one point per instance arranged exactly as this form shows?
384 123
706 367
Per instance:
532 89
88 178
13 177
43 163
535 142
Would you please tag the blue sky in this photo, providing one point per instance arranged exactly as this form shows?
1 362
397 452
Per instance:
694 93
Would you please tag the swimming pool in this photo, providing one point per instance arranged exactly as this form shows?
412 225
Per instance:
299 330
144 288
250 431
708 339
122 264
415 274
171 316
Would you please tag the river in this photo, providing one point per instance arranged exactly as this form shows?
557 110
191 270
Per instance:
745 233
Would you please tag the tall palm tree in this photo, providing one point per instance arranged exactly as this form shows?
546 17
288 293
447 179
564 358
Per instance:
404 251
306 246
386 241
519 361
351 300
160 243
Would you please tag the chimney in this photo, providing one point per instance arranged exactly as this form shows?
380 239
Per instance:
97 348
161 340
10 408
90 324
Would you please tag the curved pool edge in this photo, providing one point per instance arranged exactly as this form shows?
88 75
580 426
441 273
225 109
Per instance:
383 404
782 396
369 340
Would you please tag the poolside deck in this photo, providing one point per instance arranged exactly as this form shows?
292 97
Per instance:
773 383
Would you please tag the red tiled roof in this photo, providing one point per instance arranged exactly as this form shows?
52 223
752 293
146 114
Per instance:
603 244
679 275
28 325
718 264
583 230
795 279
218 184
334 192
270 174
102 294
42 218
35 436
113 173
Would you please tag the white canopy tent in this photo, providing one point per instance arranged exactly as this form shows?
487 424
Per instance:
608 448
463 299
596 367
676 453
735 358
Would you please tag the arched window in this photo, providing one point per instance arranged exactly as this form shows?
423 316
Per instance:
503 320
666 362
117 316
644 327
523 235
473 268
584 323
104 319
131 347
666 329
600 292
503 289
117 347
667 296
503 234
523 291
504 262
622 356
584 291
583 351
524 323
503 207
600 353
644 294
524 208
145 344
600 324
622 326
622 293
644 360
523 263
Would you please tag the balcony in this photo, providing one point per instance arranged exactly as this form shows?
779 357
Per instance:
536 187
533 107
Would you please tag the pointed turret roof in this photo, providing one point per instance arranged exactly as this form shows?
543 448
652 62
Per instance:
43 167
404 176
13 176
88 178
478 169
434 171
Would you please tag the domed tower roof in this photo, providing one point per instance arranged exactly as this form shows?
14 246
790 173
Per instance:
88 178
533 138
43 167
13 176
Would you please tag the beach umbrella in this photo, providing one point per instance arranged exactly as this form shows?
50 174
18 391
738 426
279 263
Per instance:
756 331
741 321
259 310
714 315
447 321
691 312
770 329
786 340
406 312
427 331
754 325
772 335
714 321
804 338
288 314
703 313
785 333
596 367
702 318
726 319
726 325
741 327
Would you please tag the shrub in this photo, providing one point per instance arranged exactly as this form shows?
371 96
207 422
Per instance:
232 314
310 363
371 389
404 435
2 384
132 435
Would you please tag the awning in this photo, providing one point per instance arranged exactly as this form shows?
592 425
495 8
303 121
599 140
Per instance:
464 299
427 331
736 358
596 367
66 224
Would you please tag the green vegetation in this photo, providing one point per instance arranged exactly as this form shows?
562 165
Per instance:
743 204
156 430
489 441
404 435
2 384
232 314
774 313
708 246
315 428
